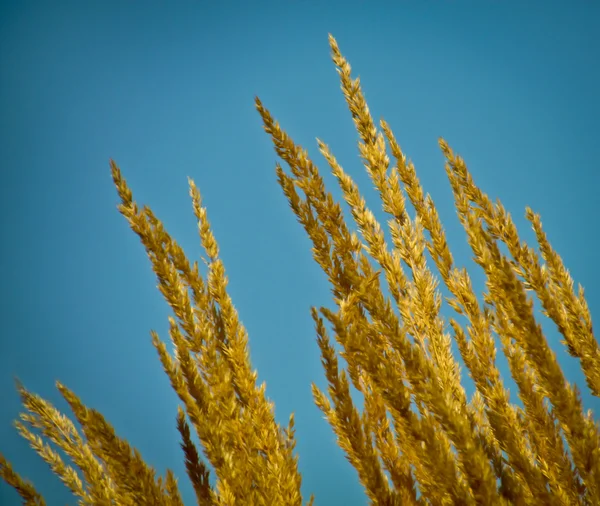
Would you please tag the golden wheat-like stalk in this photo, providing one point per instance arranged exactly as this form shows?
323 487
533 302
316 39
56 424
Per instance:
418 439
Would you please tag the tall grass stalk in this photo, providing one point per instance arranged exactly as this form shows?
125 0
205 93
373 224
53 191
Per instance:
419 439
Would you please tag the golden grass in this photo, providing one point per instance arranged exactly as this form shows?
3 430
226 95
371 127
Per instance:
452 449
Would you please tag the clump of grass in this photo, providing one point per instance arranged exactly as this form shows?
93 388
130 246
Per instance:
418 439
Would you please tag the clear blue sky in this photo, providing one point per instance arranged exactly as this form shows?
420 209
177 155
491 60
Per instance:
166 89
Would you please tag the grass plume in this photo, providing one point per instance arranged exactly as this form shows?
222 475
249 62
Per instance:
419 439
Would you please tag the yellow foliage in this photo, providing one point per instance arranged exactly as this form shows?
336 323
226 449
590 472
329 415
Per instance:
417 430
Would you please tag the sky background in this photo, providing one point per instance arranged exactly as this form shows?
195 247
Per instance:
167 89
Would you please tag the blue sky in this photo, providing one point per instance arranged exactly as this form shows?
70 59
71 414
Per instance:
166 89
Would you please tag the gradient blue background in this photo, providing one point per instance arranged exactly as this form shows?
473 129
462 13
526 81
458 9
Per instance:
166 89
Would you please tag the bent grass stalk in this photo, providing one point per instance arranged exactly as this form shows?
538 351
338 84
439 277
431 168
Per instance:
419 439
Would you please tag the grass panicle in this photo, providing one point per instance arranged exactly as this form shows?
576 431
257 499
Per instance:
419 438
